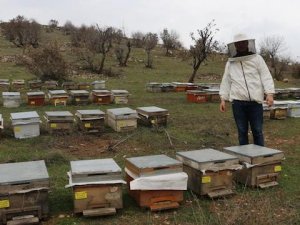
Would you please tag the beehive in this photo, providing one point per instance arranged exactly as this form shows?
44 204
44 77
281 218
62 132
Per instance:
210 171
97 186
279 110
69 85
59 121
11 99
180 87
122 119
36 98
262 165
120 96
23 192
35 84
18 84
98 85
156 182
58 97
101 96
281 93
294 92
83 86
204 86
152 116
90 120
80 97
197 96
293 109
213 94
25 124
266 111
50 84
4 84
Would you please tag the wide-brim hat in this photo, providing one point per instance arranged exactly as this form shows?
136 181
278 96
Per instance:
240 37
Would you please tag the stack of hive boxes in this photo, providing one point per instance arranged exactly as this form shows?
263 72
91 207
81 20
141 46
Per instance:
90 120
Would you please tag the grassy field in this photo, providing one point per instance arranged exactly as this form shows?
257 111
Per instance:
191 126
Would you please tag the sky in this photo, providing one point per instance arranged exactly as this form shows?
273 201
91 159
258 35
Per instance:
256 18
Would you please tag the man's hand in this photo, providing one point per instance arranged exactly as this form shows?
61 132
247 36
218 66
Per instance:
269 100
223 106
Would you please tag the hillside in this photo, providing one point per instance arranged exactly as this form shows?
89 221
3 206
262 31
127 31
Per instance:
191 126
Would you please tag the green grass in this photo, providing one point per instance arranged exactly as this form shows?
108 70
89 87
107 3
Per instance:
191 126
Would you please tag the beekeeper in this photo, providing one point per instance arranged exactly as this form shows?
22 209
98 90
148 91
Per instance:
246 81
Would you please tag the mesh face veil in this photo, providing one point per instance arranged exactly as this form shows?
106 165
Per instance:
233 49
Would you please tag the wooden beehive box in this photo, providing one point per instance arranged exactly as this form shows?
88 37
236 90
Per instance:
79 97
25 124
262 165
35 84
18 84
23 192
59 121
84 86
213 94
90 120
50 85
98 85
281 93
97 186
101 96
4 84
152 116
153 87
197 96
58 97
122 119
294 109
120 96
167 87
69 85
294 92
180 87
162 196
279 110
210 171
11 99
36 98
266 111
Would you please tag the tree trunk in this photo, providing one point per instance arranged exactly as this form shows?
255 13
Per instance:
102 63
127 56
192 77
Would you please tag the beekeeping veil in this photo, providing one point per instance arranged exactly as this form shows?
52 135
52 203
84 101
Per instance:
241 46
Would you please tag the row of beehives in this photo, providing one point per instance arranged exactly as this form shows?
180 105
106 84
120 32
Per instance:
27 124
156 181
282 110
5 84
179 86
62 97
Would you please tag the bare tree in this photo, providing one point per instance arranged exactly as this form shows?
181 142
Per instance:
120 53
137 39
52 25
203 46
270 48
22 32
68 28
150 42
170 40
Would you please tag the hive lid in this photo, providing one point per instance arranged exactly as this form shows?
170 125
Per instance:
23 172
214 90
11 94
94 166
24 115
79 92
151 109
252 150
35 93
90 112
4 80
98 82
153 161
101 91
55 92
121 111
58 113
18 81
206 155
119 92
34 81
